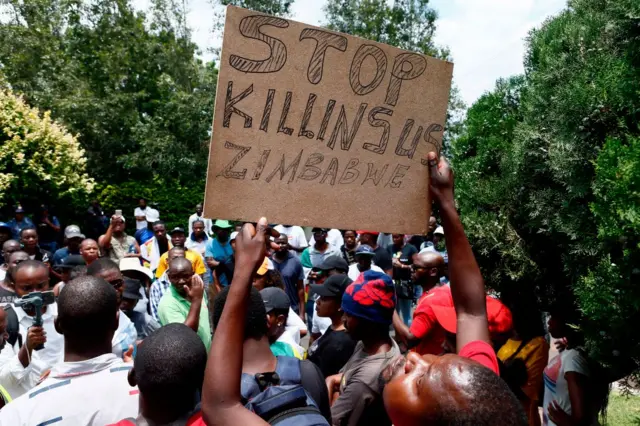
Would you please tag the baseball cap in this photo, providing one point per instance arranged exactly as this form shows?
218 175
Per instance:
5 225
333 262
151 215
70 262
334 286
73 231
498 315
368 232
131 289
224 224
439 230
264 267
275 299
19 209
176 229
365 249
233 236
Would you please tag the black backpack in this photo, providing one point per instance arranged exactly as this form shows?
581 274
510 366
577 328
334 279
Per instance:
13 327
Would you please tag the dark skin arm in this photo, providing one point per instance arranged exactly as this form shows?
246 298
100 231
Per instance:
105 240
467 285
194 293
301 302
221 402
578 385
403 332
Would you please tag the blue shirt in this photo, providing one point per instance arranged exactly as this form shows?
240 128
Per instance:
291 271
60 255
16 227
221 253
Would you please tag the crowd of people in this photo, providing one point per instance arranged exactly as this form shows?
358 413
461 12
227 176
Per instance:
223 323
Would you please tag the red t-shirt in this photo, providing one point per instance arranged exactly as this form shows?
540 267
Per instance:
195 420
481 352
425 325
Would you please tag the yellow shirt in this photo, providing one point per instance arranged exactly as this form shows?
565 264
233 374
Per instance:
535 355
192 256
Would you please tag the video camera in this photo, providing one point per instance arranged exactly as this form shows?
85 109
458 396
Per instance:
35 301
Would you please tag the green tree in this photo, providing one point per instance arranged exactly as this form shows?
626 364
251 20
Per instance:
407 24
548 175
128 84
39 160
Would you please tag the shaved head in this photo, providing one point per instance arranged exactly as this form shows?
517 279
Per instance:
181 264
429 259
86 242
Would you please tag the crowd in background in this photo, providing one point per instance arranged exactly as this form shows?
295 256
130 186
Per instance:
103 327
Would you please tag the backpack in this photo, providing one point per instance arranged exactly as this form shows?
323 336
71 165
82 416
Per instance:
279 398
13 327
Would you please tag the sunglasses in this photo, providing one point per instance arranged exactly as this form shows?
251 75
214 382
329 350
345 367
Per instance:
117 284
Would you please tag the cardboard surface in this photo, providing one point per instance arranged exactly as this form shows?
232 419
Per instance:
317 128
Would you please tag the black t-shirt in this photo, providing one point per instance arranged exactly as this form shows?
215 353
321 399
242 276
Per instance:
382 259
405 255
312 381
6 296
332 351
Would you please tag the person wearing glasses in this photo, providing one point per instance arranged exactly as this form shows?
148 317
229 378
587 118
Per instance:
126 334
425 335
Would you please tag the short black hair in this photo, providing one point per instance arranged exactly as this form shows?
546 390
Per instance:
169 367
28 228
197 221
273 278
87 309
101 265
256 325
493 403
159 222
30 264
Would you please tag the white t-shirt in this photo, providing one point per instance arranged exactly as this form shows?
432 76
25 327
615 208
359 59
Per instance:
354 272
555 385
296 237
334 237
319 324
84 393
140 224
293 327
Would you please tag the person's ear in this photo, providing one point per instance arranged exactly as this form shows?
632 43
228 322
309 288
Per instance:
56 324
131 377
281 320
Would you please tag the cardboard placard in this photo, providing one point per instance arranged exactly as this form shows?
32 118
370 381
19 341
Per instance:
317 128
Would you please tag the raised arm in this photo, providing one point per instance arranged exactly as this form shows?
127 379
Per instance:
221 401
467 285
105 240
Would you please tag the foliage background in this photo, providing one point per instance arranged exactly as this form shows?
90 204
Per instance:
548 175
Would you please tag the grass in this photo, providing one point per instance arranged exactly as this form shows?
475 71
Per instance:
623 411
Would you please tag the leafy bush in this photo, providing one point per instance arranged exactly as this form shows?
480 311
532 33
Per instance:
548 176
39 161
175 201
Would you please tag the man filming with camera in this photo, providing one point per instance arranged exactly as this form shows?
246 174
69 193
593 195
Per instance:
31 349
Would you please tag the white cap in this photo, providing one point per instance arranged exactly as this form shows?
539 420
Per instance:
439 230
233 236
133 264
428 249
152 215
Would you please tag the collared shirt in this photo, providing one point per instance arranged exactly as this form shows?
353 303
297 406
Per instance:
175 308
221 253
16 226
150 252
207 223
158 288
17 379
192 256
91 392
